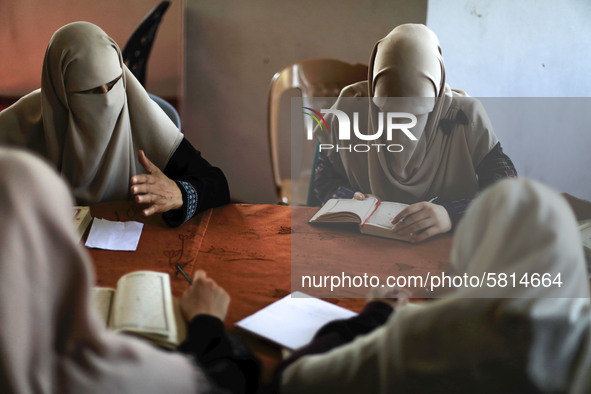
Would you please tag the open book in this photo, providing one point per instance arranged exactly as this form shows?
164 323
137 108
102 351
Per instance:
373 216
293 321
142 305
82 219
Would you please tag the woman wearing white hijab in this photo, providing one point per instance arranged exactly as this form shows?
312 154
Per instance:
456 153
533 339
97 126
52 340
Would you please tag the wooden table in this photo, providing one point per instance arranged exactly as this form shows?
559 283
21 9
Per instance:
254 250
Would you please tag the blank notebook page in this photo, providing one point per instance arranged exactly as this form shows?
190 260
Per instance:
293 320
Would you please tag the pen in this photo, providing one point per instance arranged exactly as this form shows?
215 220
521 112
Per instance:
404 217
178 267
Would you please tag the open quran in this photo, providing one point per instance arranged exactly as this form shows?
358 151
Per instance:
142 305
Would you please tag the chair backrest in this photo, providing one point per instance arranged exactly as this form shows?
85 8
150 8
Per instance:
168 109
314 78
137 50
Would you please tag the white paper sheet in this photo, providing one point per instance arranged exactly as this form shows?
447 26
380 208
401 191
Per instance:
292 321
105 234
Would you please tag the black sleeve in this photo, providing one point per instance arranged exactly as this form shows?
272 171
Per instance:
495 166
339 332
226 361
455 207
328 183
208 183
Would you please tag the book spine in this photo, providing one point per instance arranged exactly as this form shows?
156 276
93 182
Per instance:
371 214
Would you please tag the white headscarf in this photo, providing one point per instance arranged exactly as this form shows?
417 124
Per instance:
52 340
523 227
91 139
407 67
469 344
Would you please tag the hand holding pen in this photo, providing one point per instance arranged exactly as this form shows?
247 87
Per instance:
204 297
421 221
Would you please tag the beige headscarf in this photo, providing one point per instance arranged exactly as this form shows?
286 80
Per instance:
91 139
51 339
470 344
407 74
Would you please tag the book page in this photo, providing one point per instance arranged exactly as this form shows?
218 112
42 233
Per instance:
82 219
383 216
293 320
341 209
102 298
175 338
143 303
114 235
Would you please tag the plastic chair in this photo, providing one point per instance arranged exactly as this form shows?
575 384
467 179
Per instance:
168 109
314 78
136 51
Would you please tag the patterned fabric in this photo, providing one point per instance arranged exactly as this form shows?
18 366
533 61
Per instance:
495 166
328 183
190 199
138 47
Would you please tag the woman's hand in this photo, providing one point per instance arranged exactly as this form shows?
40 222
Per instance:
392 296
204 296
155 189
361 196
421 221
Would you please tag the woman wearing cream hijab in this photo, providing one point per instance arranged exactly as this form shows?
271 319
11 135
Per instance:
533 339
98 127
456 152
52 340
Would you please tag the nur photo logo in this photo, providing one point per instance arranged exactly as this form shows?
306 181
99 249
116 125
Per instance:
317 117
387 122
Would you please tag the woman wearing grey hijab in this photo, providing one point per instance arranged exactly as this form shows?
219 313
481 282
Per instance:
456 152
98 127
